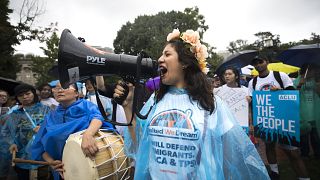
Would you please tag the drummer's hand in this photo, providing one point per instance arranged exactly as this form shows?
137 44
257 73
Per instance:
88 145
36 129
119 90
13 148
57 165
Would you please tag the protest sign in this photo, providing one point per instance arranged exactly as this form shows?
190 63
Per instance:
235 99
276 116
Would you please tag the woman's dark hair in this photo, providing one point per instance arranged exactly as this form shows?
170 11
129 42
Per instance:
196 81
235 72
43 85
24 88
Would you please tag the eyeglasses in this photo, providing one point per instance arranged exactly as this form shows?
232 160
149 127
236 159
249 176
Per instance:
56 89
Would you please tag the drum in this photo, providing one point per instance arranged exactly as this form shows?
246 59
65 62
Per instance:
109 163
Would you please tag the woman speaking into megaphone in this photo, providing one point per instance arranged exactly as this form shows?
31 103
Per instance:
188 132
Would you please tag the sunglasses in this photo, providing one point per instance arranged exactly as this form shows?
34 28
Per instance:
57 89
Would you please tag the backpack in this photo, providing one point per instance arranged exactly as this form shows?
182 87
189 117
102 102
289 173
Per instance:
276 75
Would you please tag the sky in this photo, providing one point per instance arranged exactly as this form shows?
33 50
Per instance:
98 21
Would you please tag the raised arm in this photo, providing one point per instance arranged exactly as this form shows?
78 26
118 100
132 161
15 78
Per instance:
100 83
127 106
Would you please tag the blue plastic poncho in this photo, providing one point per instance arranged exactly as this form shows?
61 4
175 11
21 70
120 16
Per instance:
5 156
59 124
19 125
62 122
179 140
309 105
5 140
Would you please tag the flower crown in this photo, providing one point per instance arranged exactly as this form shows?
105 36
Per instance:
199 50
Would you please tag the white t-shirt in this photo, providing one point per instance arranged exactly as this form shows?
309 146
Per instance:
264 84
226 87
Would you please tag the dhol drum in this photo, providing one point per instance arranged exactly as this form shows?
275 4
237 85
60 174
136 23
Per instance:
109 163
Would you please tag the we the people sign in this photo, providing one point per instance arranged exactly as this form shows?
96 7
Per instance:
276 116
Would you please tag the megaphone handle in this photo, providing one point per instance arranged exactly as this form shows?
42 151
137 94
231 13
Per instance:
119 100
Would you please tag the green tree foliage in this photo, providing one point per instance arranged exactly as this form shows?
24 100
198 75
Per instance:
11 35
267 44
264 37
314 38
260 43
8 38
276 47
42 65
149 33
214 62
238 45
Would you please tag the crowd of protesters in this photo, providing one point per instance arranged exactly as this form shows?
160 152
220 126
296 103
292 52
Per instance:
23 113
36 125
26 114
307 82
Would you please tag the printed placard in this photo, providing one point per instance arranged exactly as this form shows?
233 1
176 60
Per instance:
276 116
235 99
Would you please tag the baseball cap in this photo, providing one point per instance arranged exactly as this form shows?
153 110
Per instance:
257 59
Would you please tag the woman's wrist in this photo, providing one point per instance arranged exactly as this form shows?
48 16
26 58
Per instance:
88 133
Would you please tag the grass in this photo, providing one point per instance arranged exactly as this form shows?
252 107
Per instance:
312 164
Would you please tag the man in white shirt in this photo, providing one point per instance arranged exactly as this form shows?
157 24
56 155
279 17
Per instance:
266 81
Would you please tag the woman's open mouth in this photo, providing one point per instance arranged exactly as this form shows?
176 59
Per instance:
162 71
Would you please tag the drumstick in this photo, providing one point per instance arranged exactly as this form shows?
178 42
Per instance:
305 74
18 160
13 157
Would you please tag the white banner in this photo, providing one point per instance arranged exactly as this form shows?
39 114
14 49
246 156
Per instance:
235 99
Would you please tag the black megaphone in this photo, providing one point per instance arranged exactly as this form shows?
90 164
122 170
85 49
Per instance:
78 61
